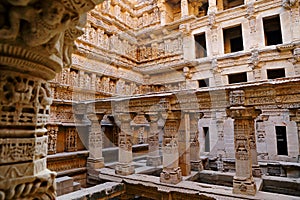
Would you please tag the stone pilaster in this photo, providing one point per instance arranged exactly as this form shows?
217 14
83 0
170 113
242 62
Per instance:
243 182
184 144
212 6
184 8
295 116
153 158
34 46
171 171
95 159
196 163
125 165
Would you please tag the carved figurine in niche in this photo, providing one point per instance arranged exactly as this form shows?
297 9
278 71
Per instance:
43 25
241 150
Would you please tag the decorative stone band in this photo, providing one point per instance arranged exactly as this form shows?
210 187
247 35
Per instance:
22 149
27 60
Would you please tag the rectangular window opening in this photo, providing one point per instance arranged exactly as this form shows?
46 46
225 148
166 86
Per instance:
203 83
200 45
206 135
275 73
281 140
233 39
237 78
272 30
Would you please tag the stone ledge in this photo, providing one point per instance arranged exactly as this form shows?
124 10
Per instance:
103 191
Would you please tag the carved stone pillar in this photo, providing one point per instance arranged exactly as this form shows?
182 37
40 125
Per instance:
163 12
184 8
295 116
171 171
153 158
212 6
243 182
34 45
95 159
184 144
196 163
125 166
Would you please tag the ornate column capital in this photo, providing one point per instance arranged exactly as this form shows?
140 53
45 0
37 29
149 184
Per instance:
39 35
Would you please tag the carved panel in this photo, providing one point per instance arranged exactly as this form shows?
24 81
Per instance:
71 139
52 138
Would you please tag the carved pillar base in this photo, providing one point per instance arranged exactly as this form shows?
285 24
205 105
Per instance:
244 186
256 171
95 163
196 165
172 176
124 169
40 186
153 161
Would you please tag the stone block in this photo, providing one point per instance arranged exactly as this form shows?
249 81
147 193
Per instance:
64 182
76 186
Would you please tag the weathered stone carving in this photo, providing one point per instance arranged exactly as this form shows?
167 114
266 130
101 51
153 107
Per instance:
71 139
288 4
52 138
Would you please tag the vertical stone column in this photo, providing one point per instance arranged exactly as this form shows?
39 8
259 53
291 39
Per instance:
196 163
243 182
125 166
171 171
184 144
184 8
95 159
34 45
295 116
163 11
153 158
212 6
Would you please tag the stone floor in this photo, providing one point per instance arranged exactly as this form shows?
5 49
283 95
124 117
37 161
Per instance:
147 179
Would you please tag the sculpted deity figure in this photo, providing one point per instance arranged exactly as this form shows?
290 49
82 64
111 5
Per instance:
43 25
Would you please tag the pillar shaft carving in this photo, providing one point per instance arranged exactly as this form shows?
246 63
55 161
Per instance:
35 43
196 163
125 166
244 142
295 116
243 182
153 158
171 171
95 159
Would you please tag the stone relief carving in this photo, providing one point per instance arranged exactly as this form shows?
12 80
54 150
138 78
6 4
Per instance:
288 4
52 139
29 99
43 25
71 139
